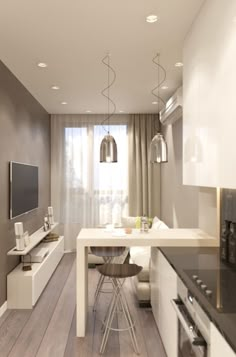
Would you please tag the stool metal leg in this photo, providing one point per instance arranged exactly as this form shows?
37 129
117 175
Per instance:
101 280
97 292
128 317
108 322
129 322
118 298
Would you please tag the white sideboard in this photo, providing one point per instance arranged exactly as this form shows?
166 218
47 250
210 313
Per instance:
25 287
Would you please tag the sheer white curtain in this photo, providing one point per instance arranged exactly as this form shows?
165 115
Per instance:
85 192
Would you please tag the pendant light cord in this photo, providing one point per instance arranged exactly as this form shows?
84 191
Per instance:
106 92
157 96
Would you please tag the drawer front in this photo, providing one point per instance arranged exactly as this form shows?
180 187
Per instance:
43 275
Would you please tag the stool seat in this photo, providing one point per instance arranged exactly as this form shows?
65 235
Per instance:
119 271
107 252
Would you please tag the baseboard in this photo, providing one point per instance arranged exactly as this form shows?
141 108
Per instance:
3 308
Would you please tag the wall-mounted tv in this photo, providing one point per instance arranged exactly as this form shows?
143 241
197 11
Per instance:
24 188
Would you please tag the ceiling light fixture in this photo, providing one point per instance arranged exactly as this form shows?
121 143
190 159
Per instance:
63 103
108 147
151 18
179 64
158 146
164 87
42 65
121 111
154 102
88 111
55 87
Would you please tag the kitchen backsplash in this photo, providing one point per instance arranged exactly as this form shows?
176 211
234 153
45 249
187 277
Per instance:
228 227
228 205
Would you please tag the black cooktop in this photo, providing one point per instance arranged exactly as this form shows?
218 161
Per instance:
218 286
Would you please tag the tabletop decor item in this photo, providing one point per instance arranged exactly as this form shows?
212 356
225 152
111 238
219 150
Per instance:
128 230
19 232
46 225
26 238
50 216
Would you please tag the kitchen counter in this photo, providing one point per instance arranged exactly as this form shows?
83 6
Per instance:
180 237
187 260
102 238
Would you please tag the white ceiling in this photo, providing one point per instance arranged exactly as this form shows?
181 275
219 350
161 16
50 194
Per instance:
72 37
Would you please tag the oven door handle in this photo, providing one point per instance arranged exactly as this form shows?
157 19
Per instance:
187 325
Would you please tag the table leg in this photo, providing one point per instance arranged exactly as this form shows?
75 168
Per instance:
82 290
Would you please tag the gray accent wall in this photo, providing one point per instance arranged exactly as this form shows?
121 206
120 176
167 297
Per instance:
24 137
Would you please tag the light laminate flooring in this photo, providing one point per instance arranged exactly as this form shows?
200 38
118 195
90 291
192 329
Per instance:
49 330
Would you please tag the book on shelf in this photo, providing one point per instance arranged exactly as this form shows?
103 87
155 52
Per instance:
51 237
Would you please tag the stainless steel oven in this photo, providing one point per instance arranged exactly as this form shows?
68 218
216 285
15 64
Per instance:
193 325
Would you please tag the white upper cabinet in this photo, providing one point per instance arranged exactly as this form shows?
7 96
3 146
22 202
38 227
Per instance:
209 97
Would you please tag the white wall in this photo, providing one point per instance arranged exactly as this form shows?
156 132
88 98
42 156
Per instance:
209 97
184 206
179 204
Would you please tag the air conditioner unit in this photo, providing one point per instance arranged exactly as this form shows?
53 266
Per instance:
173 109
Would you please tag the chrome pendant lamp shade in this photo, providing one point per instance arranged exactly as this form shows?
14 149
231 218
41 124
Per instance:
108 147
158 146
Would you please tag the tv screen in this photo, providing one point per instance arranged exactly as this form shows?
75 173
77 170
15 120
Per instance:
23 188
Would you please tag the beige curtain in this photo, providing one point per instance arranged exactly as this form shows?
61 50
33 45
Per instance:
144 177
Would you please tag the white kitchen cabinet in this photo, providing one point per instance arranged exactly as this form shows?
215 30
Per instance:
209 107
163 289
25 287
219 347
154 284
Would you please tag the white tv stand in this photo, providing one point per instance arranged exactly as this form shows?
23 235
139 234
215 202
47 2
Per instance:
25 287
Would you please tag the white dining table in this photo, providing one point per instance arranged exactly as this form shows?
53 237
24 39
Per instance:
98 237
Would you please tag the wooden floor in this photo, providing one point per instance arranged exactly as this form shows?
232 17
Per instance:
49 329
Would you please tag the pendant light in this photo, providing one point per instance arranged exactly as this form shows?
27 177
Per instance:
108 147
158 146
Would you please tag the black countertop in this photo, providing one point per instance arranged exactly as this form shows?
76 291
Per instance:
184 259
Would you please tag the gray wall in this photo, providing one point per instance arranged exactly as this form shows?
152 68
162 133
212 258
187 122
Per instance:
24 137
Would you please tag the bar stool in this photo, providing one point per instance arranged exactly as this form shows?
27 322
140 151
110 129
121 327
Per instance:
116 272
109 254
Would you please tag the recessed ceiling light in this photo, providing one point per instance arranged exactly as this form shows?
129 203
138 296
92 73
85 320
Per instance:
55 87
63 103
152 18
42 65
154 102
179 64
88 111
164 87
121 111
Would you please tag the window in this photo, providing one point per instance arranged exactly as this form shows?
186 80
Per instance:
97 193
